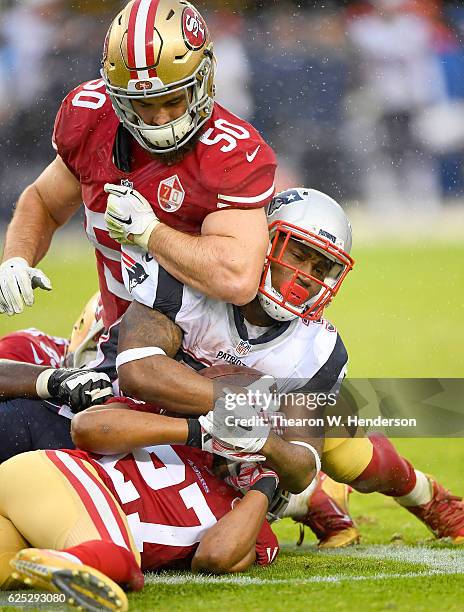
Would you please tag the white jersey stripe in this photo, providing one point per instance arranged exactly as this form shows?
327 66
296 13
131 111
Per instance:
139 38
115 287
97 220
241 200
107 252
101 505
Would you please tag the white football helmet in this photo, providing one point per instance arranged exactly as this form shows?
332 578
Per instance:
316 220
154 48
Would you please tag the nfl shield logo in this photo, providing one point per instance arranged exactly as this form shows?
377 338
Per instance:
171 194
243 348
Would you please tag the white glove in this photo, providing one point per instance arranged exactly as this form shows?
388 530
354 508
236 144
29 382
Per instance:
129 213
238 426
264 393
17 283
215 446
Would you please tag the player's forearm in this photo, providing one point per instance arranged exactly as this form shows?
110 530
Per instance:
116 430
159 379
18 379
294 464
162 381
30 232
218 266
232 539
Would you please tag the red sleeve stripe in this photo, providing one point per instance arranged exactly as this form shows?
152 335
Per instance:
253 200
127 259
99 503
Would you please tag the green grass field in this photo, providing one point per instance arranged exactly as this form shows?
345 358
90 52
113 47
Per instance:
401 315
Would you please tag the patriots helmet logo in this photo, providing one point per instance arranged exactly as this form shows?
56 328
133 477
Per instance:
287 197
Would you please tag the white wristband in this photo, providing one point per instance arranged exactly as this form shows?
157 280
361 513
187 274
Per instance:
137 353
317 459
41 384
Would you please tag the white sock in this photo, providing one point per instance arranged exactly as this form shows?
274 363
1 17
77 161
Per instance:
421 494
298 504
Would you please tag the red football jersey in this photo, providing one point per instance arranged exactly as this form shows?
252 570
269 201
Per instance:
230 167
171 497
33 346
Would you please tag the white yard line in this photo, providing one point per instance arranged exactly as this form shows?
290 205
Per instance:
439 562
443 559
244 580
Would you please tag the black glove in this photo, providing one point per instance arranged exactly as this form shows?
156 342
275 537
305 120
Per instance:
80 389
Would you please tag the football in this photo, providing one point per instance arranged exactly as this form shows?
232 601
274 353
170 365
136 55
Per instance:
239 376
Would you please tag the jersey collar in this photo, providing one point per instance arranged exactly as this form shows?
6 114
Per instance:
271 334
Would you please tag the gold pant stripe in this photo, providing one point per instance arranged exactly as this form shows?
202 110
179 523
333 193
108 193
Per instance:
344 459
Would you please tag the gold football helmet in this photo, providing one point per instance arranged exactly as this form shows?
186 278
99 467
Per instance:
154 48
86 331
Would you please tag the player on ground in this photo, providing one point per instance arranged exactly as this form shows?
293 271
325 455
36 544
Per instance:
28 413
37 347
150 123
34 346
109 431
281 333
97 521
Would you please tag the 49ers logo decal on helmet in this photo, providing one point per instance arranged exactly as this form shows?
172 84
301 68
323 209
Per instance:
171 194
143 85
194 29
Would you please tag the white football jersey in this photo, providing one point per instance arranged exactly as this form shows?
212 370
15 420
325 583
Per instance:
297 353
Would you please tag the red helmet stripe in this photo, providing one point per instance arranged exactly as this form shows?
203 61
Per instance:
150 26
140 52
131 38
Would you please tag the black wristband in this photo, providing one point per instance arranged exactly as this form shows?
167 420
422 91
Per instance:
267 486
194 433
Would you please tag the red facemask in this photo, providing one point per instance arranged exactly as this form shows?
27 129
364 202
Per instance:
293 296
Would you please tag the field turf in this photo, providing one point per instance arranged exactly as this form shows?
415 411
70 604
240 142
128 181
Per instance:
400 314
